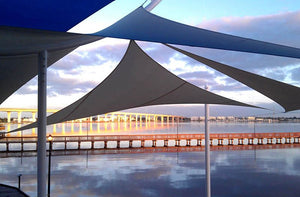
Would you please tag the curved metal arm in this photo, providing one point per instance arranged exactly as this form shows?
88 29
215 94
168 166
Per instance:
152 5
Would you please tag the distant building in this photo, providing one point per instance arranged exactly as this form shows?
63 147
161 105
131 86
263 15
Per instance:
221 118
230 118
251 118
202 118
195 118
212 118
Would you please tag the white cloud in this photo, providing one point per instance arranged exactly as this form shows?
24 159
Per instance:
247 96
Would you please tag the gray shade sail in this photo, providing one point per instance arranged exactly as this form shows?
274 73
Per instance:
22 41
19 50
137 81
142 25
286 95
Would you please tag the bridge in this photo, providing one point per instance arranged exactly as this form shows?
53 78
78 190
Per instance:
128 116
113 116
20 110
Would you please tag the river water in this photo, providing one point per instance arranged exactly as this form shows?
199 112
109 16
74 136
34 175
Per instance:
124 128
274 172
257 172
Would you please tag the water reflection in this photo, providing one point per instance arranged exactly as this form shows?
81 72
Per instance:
107 128
234 173
152 127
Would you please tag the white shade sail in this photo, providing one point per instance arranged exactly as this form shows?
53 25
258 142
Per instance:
19 50
137 81
286 95
142 25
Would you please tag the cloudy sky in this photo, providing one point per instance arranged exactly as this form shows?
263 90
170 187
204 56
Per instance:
275 21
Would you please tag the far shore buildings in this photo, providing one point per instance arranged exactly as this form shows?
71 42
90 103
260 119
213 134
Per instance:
131 117
246 119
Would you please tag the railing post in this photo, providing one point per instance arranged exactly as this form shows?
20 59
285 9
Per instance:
19 181
49 166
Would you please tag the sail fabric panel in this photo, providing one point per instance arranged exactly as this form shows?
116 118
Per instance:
20 41
18 70
179 96
54 15
19 53
286 95
145 26
137 81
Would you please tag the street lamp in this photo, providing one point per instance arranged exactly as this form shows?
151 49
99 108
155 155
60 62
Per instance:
50 140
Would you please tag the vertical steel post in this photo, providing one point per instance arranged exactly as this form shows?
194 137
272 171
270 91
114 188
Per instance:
207 150
41 149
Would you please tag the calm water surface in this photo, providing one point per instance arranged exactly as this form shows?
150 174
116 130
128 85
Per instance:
274 172
124 128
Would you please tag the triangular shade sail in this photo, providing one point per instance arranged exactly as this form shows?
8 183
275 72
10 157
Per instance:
286 95
142 25
23 41
55 15
19 50
137 81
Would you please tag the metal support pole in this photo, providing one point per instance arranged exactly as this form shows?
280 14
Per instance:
41 149
207 150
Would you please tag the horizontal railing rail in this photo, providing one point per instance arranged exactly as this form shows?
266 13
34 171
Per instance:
57 138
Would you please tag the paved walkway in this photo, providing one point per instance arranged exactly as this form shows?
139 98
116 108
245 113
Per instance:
9 191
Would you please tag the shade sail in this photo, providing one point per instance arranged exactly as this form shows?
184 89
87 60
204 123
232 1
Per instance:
22 41
55 15
142 25
286 95
137 81
19 50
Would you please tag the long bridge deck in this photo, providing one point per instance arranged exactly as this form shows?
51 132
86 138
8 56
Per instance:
29 143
